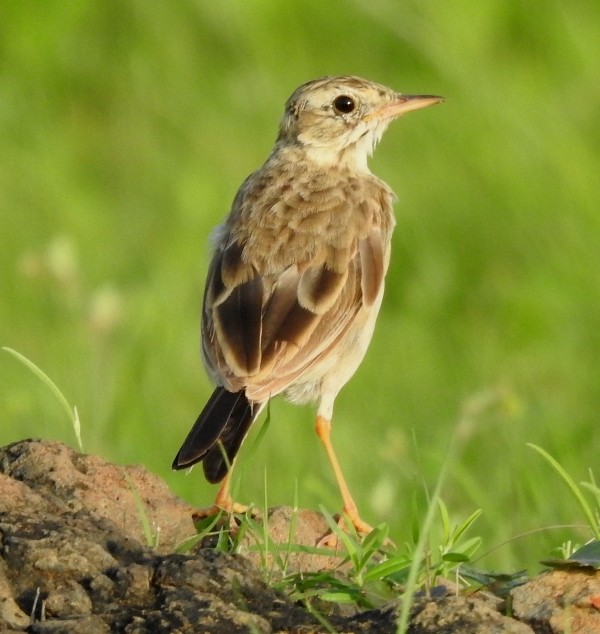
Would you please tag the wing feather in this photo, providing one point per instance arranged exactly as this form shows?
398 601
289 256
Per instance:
372 262
236 321
319 288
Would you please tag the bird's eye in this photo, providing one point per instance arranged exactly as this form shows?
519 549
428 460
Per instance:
343 104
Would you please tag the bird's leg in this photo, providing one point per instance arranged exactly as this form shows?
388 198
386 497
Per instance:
349 509
224 501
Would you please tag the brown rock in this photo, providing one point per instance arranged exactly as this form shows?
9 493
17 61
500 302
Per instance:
560 601
300 527
464 615
64 480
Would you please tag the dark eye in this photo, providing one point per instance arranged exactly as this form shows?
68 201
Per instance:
343 104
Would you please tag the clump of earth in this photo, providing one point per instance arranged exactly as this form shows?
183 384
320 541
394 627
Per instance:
74 559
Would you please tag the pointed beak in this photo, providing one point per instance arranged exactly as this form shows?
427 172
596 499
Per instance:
401 105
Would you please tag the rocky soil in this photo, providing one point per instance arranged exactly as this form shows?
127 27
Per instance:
73 559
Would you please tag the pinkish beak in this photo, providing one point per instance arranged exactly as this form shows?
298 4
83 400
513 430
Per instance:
401 105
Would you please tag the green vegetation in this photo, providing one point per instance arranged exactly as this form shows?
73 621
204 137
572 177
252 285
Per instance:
126 128
369 572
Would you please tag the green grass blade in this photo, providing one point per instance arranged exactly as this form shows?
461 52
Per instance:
575 490
444 516
421 546
472 409
462 528
350 545
151 536
387 568
71 412
263 429
77 427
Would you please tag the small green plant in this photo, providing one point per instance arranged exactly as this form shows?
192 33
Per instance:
151 533
585 558
364 574
574 555
71 411
472 409
371 571
208 528
452 549
591 514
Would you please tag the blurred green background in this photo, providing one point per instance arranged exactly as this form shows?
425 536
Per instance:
125 130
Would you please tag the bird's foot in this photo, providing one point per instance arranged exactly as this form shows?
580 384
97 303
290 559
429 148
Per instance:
228 510
332 540
345 521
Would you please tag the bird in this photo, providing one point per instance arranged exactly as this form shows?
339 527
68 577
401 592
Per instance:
297 274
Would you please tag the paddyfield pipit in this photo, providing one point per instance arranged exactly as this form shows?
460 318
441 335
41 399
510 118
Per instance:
297 275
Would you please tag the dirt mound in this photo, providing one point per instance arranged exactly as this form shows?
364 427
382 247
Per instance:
73 559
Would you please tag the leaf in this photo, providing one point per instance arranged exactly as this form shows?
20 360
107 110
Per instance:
461 528
458 558
587 557
344 598
387 568
498 583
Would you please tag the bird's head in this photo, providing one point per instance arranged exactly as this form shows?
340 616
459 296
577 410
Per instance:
339 120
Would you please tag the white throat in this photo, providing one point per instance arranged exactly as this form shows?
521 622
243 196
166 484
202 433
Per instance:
354 155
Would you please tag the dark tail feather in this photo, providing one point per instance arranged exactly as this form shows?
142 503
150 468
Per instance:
208 427
226 417
214 464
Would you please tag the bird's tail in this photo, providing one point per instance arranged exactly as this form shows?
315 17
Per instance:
226 418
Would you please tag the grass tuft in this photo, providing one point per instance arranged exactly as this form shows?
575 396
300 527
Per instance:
60 397
590 514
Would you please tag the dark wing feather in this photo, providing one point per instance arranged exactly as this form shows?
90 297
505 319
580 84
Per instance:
237 323
326 331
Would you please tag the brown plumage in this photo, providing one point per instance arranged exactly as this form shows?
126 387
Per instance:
297 275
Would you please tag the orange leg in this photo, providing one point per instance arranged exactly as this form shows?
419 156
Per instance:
223 502
349 508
